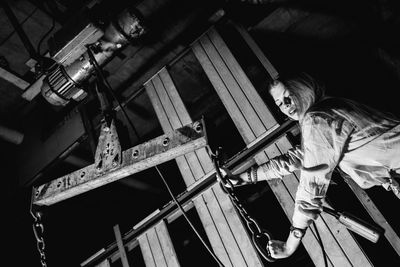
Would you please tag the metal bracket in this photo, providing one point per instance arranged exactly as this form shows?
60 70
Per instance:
108 152
151 153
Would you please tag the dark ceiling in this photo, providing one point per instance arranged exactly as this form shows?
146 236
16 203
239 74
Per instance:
350 45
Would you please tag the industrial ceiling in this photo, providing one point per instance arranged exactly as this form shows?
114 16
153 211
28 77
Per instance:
351 45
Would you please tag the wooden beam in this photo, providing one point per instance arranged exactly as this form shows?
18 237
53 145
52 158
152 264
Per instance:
34 89
121 248
8 76
156 151
256 50
157 247
105 263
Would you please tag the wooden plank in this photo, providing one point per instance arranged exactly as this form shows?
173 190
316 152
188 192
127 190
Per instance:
146 251
375 214
176 112
135 159
211 230
257 51
166 126
179 106
239 98
173 95
205 160
222 92
167 105
166 245
155 246
226 233
158 106
11 78
164 109
105 263
174 103
34 89
120 244
247 249
253 98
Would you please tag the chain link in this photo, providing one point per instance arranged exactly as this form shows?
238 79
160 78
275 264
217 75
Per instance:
260 237
38 230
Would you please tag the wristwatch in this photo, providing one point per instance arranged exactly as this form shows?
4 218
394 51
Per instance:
297 232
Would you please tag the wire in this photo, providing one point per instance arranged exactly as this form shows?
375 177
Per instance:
53 24
187 219
97 67
100 73
321 244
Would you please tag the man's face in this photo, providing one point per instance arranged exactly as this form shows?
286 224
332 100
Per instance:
284 100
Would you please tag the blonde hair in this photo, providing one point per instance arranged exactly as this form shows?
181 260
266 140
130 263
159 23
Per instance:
304 89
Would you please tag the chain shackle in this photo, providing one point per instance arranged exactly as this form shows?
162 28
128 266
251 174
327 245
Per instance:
260 237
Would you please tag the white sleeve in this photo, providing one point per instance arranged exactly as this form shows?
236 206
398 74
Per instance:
323 141
281 165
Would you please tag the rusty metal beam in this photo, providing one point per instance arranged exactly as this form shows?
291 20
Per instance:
138 158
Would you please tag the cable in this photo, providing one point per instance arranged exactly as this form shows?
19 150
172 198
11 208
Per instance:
97 67
100 73
321 244
187 219
53 24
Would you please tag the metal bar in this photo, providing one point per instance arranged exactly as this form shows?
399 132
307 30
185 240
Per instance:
156 151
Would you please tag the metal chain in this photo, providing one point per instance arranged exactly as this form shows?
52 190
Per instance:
38 230
260 237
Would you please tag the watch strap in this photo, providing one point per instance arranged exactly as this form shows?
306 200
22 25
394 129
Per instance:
303 231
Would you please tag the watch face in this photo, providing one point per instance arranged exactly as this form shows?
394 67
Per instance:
297 233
